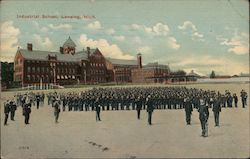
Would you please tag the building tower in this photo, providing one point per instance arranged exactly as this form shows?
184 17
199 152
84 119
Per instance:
139 60
69 47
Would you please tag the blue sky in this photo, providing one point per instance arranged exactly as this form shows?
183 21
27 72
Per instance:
186 34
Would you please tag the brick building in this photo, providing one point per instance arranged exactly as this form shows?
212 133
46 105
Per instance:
35 67
150 73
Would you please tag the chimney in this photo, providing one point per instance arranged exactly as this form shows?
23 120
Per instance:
61 50
29 46
88 51
139 61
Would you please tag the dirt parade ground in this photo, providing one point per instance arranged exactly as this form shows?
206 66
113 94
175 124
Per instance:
121 135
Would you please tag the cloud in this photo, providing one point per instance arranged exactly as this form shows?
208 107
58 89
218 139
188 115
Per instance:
38 27
42 43
136 26
110 31
158 29
172 43
108 50
144 50
119 38
189 27
95 25
60 26
137 39
238 44
9 39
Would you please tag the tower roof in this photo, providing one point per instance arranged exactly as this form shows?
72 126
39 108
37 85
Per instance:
69 43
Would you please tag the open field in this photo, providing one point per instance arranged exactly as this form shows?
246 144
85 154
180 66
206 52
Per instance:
121 135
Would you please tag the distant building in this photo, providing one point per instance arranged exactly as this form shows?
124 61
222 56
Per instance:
121 70
35 67
150 73
7 74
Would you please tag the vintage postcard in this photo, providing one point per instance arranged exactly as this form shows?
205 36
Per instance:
124 79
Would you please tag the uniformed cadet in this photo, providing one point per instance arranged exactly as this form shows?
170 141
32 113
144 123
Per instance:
57 110
217 109
188 109
150 109
138 107
203 116
235 100
37 101
6 112
98 110
26 112
243 95
13 107
229 101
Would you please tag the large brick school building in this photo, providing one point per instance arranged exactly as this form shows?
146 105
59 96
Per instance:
89 66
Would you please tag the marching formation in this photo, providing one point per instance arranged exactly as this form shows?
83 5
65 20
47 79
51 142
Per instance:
136 98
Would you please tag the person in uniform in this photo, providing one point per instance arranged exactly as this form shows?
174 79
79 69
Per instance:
98 110
57 110
243 96
150 109
12 106
188 109
38 98
26 112
6 112
217 109
203 116
235 100
138 107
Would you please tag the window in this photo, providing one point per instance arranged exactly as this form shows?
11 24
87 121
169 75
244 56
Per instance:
38 69
28 77
33 69
42 69
28 69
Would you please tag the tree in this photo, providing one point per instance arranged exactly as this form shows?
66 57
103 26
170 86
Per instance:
212 75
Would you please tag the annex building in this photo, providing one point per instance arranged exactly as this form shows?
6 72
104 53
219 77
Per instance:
89 66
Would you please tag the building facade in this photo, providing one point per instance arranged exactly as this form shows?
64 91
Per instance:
35 67
150 73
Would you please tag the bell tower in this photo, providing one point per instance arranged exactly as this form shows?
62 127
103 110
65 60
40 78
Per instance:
69 47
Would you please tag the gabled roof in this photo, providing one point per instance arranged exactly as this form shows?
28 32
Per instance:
43 55
69 43
122 62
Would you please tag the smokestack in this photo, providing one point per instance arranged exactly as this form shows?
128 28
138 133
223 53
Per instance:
29 46
139 60
61 50
88 51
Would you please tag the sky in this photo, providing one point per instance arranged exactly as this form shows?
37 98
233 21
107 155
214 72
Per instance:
184 34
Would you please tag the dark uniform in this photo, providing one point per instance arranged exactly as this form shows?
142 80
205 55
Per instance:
6 112
37 101
188 110
138 107
12 106
57 111
26 112
203 116
98 110
216 109
150 109
235 100
243 95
